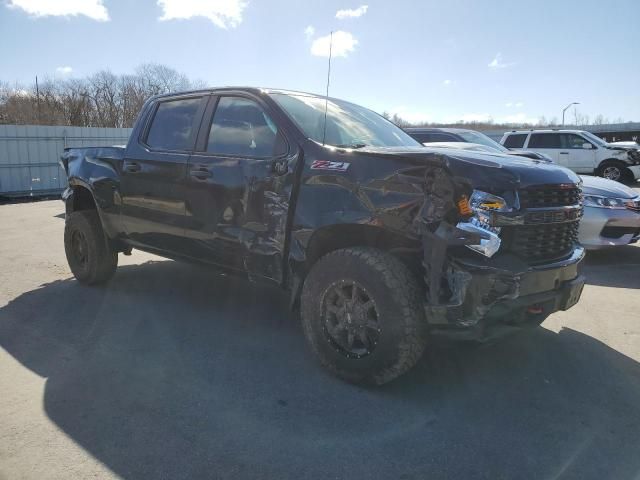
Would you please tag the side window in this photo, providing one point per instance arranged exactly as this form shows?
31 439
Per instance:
571 140
240 127
172 124
544 140
515 141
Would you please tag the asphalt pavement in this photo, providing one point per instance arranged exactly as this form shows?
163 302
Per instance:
174 371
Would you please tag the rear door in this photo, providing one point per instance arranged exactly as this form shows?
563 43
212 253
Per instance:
154 173
547 143
573 153
239 184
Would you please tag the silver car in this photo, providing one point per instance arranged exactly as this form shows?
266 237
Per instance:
611 214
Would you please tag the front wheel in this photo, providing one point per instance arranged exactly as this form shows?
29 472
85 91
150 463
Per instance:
615 170
362 314
89 255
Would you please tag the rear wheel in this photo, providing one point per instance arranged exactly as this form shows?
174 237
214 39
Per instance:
362 315
89 255
614 170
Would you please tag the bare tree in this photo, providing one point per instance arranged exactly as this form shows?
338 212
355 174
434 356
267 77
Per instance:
101 100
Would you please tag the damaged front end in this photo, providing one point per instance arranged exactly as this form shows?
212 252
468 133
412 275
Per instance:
479 283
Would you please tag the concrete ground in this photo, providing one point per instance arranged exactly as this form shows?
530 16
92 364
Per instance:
173 371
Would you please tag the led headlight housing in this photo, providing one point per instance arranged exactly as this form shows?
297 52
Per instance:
482 205
606 202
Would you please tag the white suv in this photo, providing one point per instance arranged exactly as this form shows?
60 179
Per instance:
580 151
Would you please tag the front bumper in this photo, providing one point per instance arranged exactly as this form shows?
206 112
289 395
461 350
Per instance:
635 170
603 227
490 297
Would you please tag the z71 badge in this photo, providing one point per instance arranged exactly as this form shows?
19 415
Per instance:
332 166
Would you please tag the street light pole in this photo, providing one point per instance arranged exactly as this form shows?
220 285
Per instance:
566 108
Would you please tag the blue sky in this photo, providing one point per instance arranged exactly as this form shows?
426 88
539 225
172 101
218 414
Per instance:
425 60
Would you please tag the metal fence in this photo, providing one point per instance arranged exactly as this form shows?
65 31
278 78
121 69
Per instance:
29 155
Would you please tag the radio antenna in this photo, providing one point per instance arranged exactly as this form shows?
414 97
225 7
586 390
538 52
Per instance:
326 98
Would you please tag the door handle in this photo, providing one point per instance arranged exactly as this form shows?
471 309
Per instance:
132 167
201 173
564 153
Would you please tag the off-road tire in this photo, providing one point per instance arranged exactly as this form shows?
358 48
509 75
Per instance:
397 298
97 263
625 174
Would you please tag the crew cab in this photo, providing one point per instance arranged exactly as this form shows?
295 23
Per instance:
581 151
379 242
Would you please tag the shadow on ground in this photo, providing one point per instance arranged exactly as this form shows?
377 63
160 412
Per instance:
614 267
174 372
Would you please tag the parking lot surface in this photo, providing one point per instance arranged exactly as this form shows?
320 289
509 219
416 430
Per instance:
174 371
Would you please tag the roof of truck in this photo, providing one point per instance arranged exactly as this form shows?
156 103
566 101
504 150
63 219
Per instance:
254 90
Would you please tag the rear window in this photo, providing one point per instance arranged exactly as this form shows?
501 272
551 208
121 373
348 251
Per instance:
172 124
515 141
544 140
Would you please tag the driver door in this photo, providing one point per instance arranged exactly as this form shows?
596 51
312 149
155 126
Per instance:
573 154
239 185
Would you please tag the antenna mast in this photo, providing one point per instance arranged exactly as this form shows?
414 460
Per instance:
326 98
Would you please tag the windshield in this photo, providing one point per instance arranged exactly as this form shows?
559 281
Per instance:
347 125
597 140
482 139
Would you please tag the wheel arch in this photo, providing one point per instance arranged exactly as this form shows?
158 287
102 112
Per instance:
80 198
336 237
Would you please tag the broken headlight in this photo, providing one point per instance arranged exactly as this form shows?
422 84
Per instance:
482 204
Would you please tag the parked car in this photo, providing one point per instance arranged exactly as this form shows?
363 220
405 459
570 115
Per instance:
581 151
476 147
611 214
380 242
428 136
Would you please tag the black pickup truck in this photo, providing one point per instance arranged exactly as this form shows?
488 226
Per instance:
380 242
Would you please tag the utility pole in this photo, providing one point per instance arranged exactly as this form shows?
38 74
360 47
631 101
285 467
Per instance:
566 108
38 100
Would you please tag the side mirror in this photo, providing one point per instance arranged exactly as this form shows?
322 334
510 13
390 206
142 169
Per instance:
587 146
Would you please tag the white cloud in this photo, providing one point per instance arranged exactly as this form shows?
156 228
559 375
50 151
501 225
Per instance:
343 44
519 104
497 62
509 104
64 70
223 13
350 13
514 104
446 83
309 32
518 118
61 8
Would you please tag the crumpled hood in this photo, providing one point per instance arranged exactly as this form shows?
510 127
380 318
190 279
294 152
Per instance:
622 148
486 171
606 188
